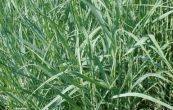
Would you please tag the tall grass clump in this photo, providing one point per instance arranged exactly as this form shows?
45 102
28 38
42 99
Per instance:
86 54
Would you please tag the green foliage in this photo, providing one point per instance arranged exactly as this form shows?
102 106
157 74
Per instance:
86 54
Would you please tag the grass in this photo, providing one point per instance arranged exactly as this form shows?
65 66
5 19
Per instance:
86 54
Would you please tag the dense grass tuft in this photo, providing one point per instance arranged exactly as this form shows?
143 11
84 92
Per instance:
86 54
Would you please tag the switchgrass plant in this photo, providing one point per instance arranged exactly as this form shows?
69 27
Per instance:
86 54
